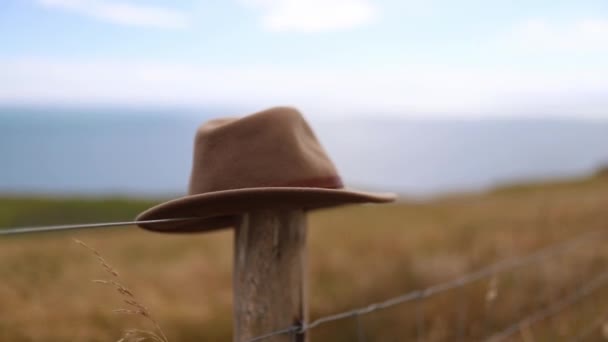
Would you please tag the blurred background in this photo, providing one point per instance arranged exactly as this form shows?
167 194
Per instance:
490 119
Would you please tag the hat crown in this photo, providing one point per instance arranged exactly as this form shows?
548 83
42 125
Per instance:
272 148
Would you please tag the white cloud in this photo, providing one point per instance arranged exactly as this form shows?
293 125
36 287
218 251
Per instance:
586 35
420 89
124 13
314 15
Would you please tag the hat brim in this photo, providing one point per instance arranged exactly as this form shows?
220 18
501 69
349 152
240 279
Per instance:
221 209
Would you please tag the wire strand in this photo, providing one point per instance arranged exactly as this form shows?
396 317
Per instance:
553 309
484 273
24 230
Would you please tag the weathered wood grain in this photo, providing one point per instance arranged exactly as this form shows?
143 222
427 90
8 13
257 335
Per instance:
270 274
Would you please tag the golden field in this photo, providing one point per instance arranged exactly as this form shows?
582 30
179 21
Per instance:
357 255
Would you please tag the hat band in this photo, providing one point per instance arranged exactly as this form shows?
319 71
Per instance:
331 182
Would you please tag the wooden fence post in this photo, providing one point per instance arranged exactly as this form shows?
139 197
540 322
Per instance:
270 274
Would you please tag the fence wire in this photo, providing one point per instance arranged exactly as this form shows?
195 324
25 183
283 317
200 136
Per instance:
552 309
484 273
24 230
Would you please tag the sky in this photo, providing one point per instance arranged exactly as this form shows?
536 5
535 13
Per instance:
431 58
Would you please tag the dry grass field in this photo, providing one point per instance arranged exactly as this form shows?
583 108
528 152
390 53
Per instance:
357 255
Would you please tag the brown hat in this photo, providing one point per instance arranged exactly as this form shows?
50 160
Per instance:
270 159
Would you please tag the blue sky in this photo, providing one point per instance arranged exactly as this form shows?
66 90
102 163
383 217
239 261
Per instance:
398 57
